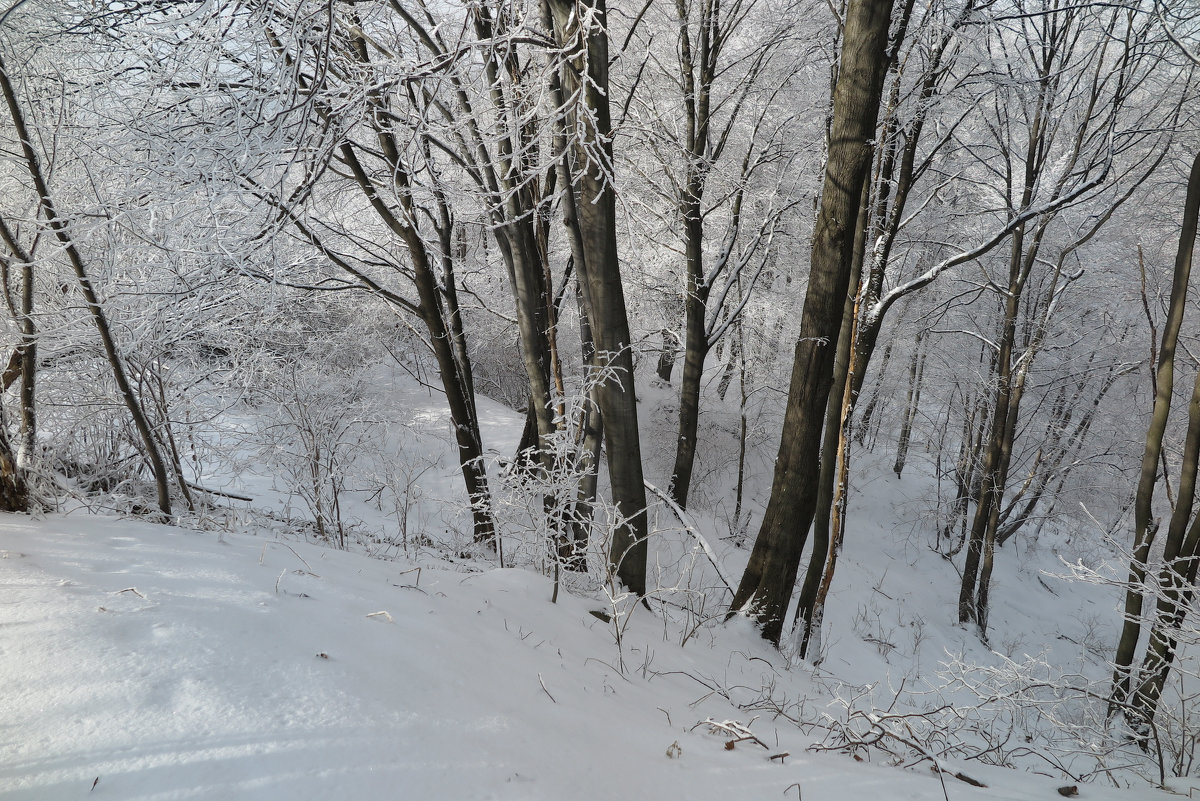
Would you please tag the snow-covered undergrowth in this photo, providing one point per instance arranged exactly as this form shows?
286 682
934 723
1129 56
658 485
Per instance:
248 662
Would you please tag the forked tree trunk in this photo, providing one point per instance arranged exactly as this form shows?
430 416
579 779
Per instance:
22 364
831 446
584 75
766 586
1174 586
444 331
1143 524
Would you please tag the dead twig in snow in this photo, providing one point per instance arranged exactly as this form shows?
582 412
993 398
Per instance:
739 731
547 692
301 558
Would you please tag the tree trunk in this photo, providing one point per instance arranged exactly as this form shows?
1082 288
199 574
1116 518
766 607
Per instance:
694 354
1173 584
584 74
28 448
980 541
667 356
14 491
455 377
1143 528
62 232
916 371
766 586
591 428
832 443
696 67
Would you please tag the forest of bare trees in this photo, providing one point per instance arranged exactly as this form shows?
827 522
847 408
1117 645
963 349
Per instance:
702 246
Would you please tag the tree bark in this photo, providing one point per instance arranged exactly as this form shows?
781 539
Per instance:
1143 527
916 372
766 586
695 353
584 75
591 430
667 356
696 73
23 362
1173 585
832 443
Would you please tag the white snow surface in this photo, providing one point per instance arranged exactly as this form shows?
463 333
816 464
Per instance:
142 662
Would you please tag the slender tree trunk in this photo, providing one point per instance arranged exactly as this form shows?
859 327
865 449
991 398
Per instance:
1178 554
28 449
731 365
455 378
696 67
832 441
766 586
584 75
1143 525
991 491
462 416
62 232
591 436
667 356
916 372
694 355
1013 521
866 420
743 428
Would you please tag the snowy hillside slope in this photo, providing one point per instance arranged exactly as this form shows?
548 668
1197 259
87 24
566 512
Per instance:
143 662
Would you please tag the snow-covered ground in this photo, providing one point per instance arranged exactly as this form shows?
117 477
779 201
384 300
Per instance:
142 662
145 662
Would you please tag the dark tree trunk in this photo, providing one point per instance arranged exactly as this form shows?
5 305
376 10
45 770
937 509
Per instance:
696 72
694 354
666 357
14 492
585 74
979 544
591 436
831 443
916 372
1143 524
443 335
766 586
28 448
1179 553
